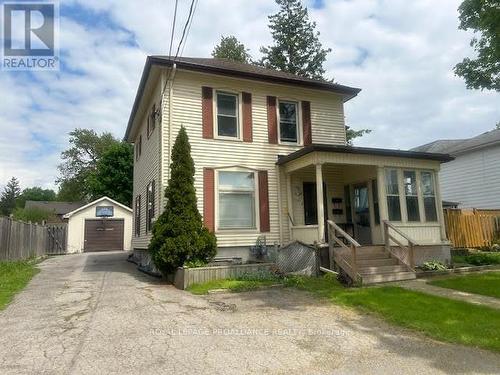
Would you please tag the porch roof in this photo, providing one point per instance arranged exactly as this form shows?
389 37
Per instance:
443 158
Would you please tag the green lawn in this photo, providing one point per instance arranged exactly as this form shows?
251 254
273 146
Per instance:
14 276
487 283
231 285
437 317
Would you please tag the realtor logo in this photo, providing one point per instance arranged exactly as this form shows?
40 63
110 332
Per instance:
30 31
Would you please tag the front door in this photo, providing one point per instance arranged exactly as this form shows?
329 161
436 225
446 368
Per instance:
361 213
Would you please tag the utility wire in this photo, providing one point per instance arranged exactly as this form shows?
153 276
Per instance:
173 29
184 35
189 27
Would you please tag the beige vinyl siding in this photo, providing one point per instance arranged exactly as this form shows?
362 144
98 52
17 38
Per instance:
146 169
326 115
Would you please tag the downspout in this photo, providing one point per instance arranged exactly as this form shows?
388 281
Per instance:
280 220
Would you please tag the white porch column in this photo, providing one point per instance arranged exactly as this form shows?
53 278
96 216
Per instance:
320 205
289 203
439 202
382 201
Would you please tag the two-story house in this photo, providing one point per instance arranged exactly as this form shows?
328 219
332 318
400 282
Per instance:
271 160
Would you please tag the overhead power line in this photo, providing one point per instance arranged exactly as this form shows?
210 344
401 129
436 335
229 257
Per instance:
184 33
173 29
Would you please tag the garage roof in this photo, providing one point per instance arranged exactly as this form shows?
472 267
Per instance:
95 202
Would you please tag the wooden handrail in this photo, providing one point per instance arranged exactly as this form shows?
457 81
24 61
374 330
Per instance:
344 234
411 243
398 231
350 268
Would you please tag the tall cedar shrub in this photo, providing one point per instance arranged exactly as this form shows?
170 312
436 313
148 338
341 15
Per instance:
179 234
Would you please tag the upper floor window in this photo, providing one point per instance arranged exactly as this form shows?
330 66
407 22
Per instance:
411 195
289 124
227 115
138 148
392 192
236 195
429 196
152 120
150 205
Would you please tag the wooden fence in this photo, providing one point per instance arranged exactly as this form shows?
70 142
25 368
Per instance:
471 228
20 240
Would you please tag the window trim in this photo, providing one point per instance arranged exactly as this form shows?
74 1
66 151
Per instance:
299 121
239 115
255 172
138 148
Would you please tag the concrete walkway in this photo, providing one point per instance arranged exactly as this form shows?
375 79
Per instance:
95 314
476 299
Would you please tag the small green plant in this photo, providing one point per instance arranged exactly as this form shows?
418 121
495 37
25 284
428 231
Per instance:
482 259
433 265
195 263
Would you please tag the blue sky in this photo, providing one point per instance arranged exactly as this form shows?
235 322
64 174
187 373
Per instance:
400 53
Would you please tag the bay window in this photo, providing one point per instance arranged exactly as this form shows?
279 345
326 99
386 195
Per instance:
411 195
288 121
227 115
429 196
236 196
392 193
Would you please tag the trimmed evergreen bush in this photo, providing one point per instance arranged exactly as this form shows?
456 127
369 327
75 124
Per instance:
179 234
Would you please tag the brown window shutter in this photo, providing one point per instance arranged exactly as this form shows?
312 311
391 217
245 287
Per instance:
264 202
209 198
272 120
207 112
306 123
247 117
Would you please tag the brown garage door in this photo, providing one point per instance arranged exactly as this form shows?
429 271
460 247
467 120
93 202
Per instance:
103 234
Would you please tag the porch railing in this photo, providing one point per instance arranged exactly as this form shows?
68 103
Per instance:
346 254
408 249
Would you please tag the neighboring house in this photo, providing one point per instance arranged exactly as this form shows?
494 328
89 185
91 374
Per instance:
271 160
58 208
102 225
473 178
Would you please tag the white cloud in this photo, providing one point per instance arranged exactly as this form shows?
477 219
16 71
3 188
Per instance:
400 53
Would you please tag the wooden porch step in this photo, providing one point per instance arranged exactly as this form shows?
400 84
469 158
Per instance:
386 277
382 270
372 255
387 261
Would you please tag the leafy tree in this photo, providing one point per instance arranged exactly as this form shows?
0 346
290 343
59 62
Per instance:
9 195
80 159
34 214
483 17
70 191
352 134
296 48
113 175
179 234
35 193
232 49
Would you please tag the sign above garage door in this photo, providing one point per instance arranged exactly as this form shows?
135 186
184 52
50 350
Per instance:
104 211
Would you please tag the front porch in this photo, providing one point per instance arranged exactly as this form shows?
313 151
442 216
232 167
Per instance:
365 202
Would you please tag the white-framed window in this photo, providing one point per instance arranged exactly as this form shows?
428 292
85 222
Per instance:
392 193
236 199
411 195
227 115
288 115
429 195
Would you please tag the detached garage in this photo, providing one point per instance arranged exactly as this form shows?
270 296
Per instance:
102 225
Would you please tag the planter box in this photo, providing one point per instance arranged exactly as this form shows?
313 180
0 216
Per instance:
185 277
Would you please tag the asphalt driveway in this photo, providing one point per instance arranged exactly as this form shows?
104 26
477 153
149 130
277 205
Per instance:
95 314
